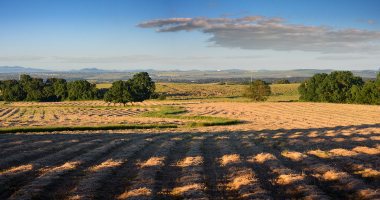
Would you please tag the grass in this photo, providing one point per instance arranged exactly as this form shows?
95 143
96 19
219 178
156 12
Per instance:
172 112
81 128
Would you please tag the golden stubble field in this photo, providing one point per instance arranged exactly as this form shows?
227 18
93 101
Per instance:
279 151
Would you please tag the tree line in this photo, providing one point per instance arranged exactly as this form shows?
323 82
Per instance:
340 87
54 89
137 89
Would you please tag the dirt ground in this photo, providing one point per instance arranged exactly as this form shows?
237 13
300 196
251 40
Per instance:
279 151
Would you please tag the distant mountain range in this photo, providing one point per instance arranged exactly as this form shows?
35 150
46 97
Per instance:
17 69
256 73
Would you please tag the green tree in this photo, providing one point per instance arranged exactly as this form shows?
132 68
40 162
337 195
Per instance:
143 86
336 87
60 89
282 81
82 90
12 91
258 90
137 89
120 92
308 90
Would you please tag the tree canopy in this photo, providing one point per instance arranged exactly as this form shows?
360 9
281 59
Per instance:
340 87
258 90
137 89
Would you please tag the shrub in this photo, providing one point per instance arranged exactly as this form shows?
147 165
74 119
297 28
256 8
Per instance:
258 90
162 97
282 81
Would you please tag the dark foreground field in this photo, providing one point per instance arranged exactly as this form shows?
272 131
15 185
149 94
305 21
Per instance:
278 151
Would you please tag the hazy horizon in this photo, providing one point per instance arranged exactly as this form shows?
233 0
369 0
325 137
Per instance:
190 35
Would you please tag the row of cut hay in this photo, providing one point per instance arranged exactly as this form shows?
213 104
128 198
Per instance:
27 147
286 177
242 179
87 187
17 143
329 173
293 120
44 162
326 113
191 182
32 189
351 159
5 112
81 128
8 161
359 112
143 185
11 113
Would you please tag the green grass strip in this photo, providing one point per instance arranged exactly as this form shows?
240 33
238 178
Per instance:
172 112
81 128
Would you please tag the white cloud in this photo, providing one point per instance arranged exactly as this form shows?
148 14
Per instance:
368 21
104 59
21 58
245 57
258 32
344 57
213 4
199 57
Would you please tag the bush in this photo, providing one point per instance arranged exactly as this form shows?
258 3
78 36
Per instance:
258 90
282 81
154 95
162 97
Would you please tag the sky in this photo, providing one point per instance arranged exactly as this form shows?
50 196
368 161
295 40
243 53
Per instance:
187 35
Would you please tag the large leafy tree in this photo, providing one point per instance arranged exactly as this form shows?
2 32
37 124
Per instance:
143 86
137 89
120 92
258 90
12 91
308 90
60 88
82 90
336 87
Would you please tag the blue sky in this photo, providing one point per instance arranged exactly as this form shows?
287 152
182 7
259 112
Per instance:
185 35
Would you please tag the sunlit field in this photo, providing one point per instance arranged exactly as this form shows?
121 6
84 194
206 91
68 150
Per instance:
279 150
213 92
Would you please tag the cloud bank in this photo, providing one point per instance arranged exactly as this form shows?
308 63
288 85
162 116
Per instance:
256 32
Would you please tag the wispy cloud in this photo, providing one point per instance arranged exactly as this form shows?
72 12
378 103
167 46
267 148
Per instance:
213 4
199 57
344 57
22 58
258 32
245 57
225 15
238 13
368 21
104 59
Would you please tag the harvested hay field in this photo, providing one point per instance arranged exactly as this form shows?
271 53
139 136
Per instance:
279 151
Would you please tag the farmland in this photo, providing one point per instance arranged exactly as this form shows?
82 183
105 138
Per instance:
279 150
